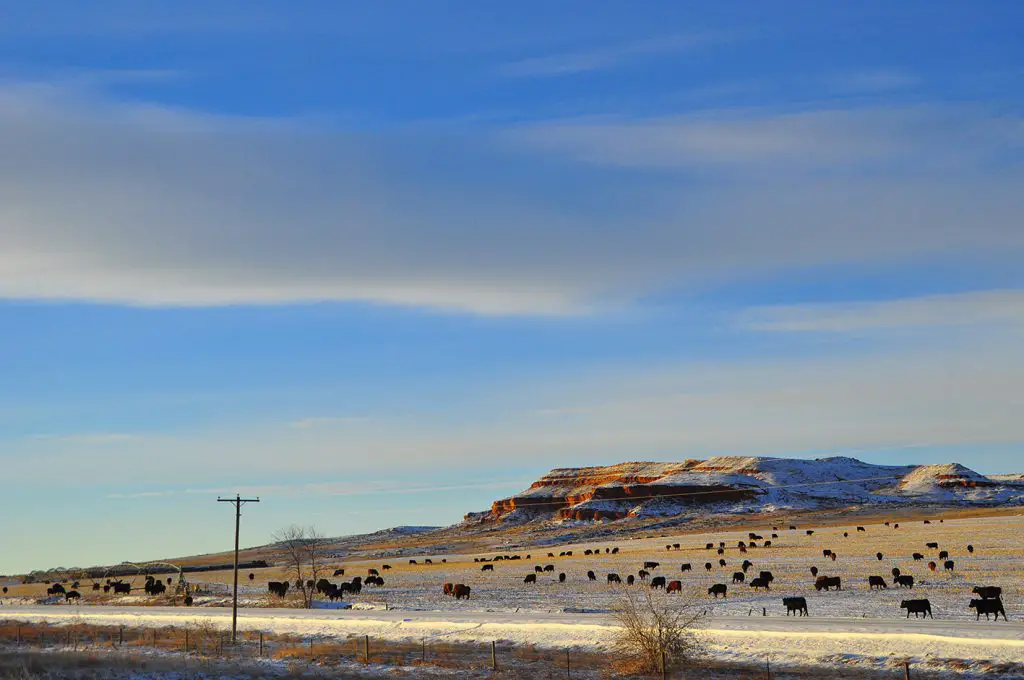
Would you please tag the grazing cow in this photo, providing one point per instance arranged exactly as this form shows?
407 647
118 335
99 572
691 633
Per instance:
56 589
75 595
721 544
615 551
738 577
551 554
846 534
833 556
339 572
896 572
743 549
487 567
988 592
677 587
721 563
922 607
538 569
461 591
588 551
561 554
877 582
943 554
158 588
741 544
387 567
814 571
948 565
747 564
549 567
932 545
614 578
766 576
879 556
95 586
795 604
970 548
826 552
827 583
810 532
530 578
775 535
768 544
707 565
932 566
449 589
792 527
709 546
568 553
591 576
414 561
428 561
643 574
651 565
721 551
686 567
658 582
561 577
675 546
372 572
668 547
980 607
121 588
896 526
917 557
718 589
861 529
886 524
904 581
758 583
278 588
927 521
106 589
630 580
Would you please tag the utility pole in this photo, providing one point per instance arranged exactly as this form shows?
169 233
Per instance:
238 502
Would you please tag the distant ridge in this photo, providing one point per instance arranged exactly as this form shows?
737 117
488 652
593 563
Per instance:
746 484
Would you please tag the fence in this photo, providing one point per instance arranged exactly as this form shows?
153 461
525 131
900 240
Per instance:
501 658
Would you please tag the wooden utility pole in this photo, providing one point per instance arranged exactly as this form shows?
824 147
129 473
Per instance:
238 502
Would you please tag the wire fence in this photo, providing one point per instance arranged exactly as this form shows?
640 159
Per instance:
500 658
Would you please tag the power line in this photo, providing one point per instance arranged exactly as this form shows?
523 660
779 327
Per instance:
238 502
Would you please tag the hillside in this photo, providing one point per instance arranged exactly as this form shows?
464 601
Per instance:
732 484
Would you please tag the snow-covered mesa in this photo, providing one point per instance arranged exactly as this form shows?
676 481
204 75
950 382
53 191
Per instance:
742 484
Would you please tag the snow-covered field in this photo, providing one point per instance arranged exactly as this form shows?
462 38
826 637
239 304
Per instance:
855 625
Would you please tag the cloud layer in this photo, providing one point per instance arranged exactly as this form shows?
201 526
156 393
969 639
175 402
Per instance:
153 206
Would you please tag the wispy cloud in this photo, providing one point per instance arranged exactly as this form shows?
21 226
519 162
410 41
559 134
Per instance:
962 309
327 421
88 437
568 63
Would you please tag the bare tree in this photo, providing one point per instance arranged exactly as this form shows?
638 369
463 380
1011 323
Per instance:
301 549
656 633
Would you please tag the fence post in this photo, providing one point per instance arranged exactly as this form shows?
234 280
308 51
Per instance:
494 657
423 655
568 668
366 648
310 649
186 640
664 666
261 643
906 670
19 636
120 636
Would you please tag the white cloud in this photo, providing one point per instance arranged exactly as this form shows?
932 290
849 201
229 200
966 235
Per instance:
963 309
568 63
151 206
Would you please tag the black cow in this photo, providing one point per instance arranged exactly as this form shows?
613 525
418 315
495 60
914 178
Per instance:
922 607
721 551
904 581
709 546
592 576
658 582
796 604
651 565
121 588
549 567
767 544
917 557
386 567
988 592
530 578
615 551
738 577
814 571
766 576
643 574
970 548
896 572
372 572
707 565
827 583
932 545
810 532
948 565
279 588
980 607
75 595
943 554
758 583
614 578
630 580
561 577
879 556
747 564
861 529
721 563
686 567
718 589
487 567
461 591
826 552
538 569
877 582
339 572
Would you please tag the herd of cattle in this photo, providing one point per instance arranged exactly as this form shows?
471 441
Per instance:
989 600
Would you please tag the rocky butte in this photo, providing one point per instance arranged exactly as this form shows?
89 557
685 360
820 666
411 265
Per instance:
746 484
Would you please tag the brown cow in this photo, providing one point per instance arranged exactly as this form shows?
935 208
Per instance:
449 589
461 591
674 587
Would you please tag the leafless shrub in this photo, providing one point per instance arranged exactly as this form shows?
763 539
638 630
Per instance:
655 631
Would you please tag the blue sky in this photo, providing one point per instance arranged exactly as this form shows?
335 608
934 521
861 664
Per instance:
381 263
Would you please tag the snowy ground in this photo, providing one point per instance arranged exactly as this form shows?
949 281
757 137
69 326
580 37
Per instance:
855 625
